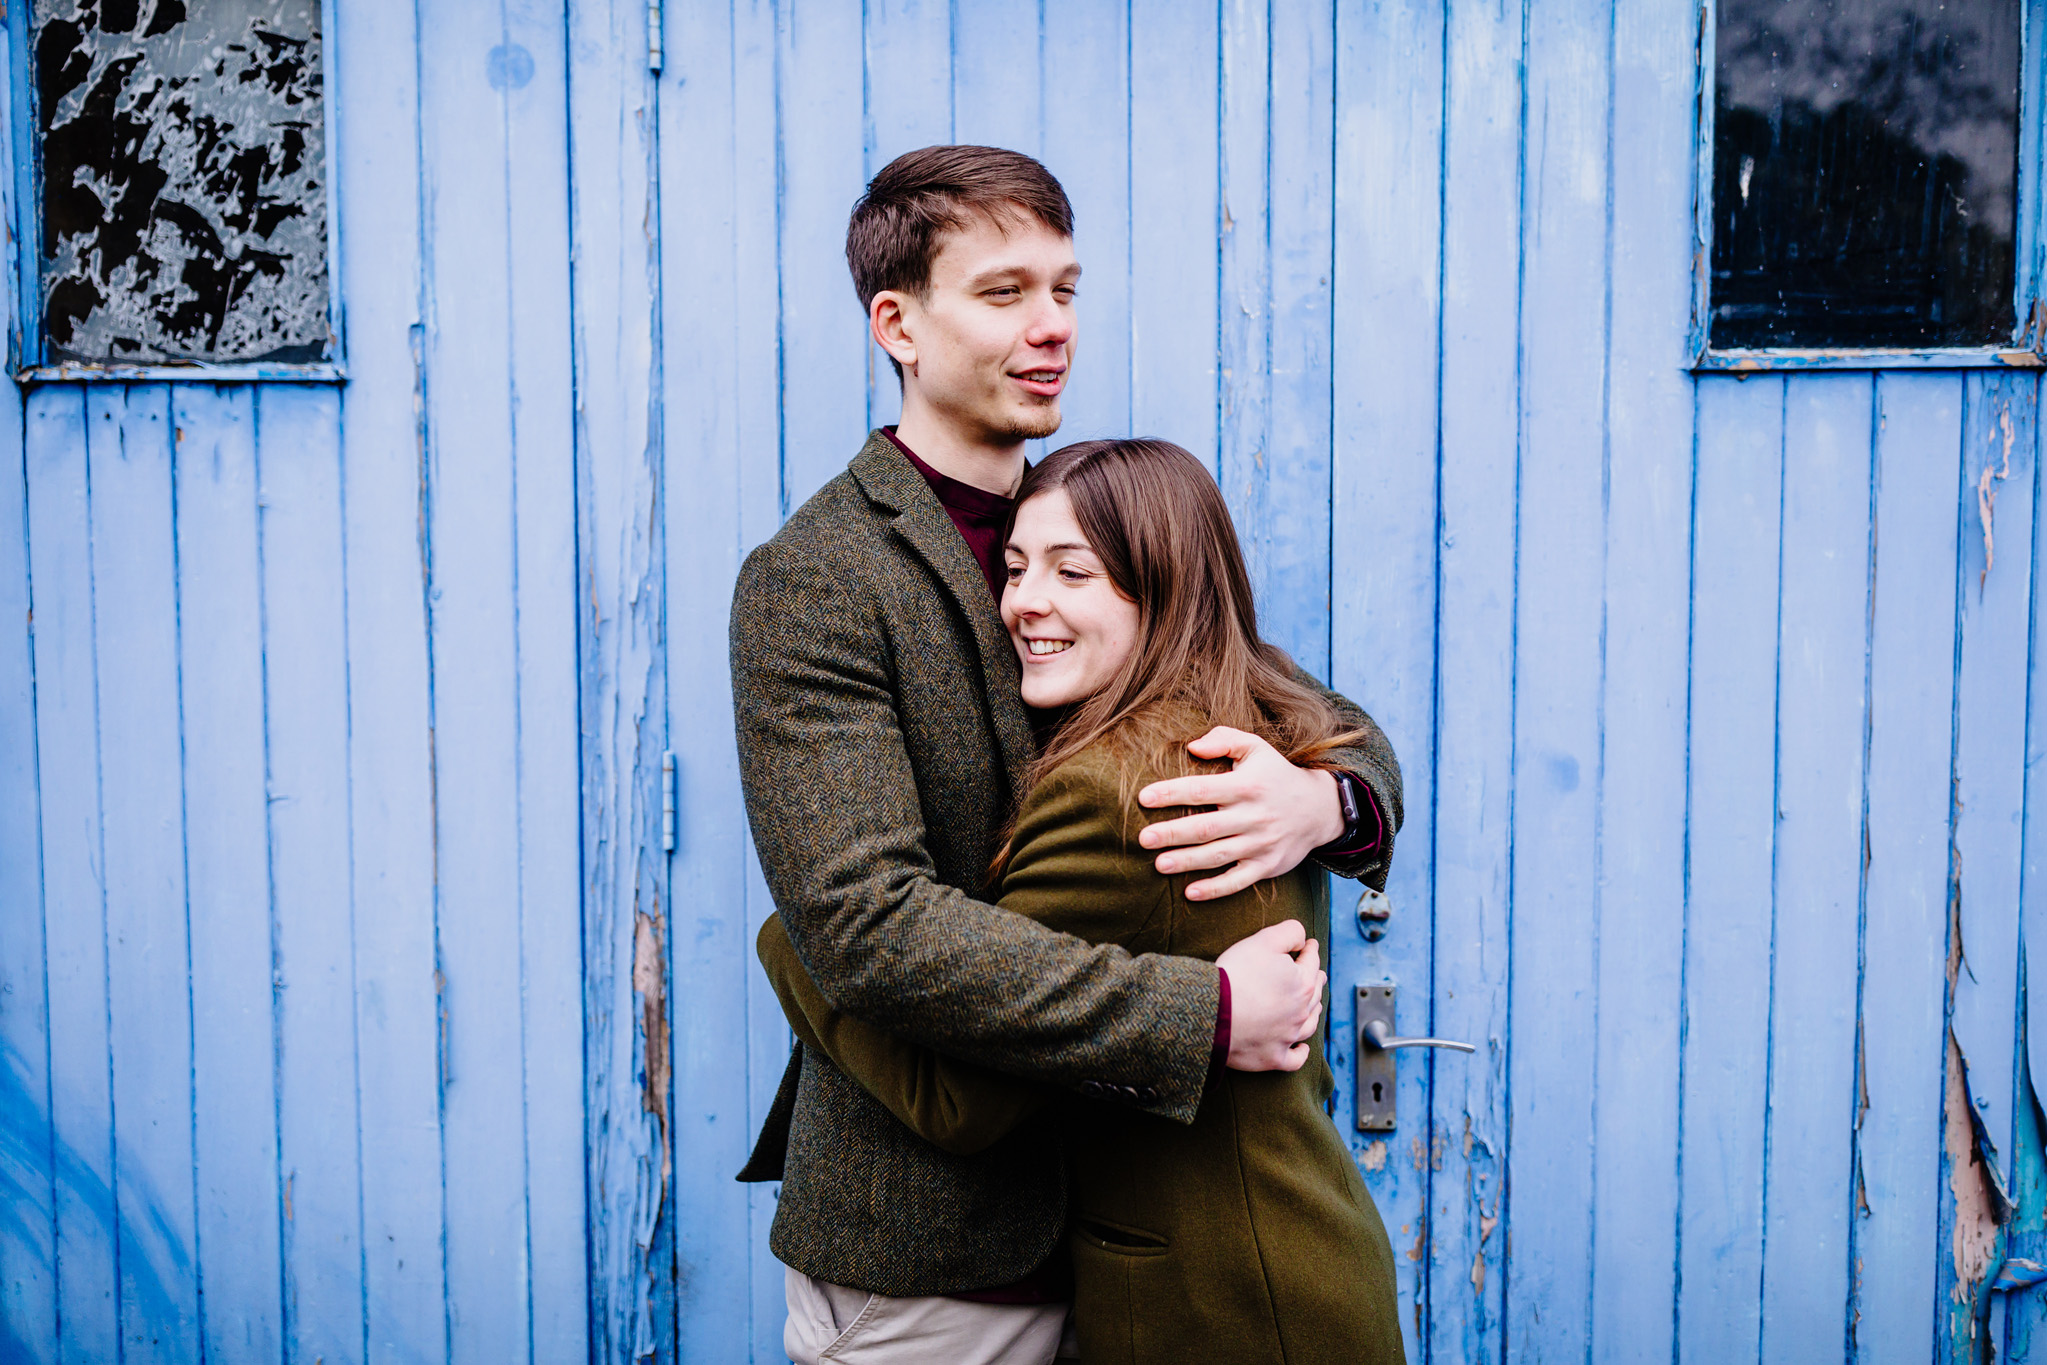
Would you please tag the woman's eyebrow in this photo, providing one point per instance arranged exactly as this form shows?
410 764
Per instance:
1080 545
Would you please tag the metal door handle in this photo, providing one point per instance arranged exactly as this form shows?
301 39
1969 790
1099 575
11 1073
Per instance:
1374 1062
1383 1038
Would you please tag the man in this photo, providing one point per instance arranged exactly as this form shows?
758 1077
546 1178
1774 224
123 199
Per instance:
882 737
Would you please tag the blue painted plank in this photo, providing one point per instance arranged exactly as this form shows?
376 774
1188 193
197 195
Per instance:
1559 755
1998 421
908 50
234 1058
541 404
1244 324
1999 435
134 571
722 398
1474 734
1822 649
306 705
1294 502
74 925
1087 145
1176 219
614 221
998 75
375 112
757 406
28 1268
1905 911
1730 845
1649 412
823 352
1380 408
2025 1316
473 615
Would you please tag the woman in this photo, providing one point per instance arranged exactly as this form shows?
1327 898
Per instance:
1246 1236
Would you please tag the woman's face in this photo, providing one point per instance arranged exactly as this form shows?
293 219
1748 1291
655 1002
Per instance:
1071 627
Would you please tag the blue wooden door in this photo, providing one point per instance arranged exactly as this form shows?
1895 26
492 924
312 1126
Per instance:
1713 692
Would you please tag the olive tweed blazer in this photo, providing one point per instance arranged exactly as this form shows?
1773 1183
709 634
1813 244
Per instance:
882 740
1247 1236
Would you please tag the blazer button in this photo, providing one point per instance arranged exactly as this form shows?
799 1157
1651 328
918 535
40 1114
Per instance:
1129 1092
1147 1095
1092 1089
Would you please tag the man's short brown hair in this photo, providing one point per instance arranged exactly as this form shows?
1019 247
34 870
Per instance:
897 226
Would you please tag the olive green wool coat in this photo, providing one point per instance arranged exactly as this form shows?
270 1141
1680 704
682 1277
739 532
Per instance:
1247 1236
882 742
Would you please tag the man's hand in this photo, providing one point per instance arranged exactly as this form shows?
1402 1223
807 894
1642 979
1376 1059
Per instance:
1275 997
1269 815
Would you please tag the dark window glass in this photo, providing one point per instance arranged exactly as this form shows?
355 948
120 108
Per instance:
184 202
1865 167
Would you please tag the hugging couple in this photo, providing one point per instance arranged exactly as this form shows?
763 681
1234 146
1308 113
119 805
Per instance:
1045 824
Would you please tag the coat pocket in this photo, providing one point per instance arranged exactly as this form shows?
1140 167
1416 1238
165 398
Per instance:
1119 1239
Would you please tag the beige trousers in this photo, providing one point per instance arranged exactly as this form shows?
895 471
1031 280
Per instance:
832 1325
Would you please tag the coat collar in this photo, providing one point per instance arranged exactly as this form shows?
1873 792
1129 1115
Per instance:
891 483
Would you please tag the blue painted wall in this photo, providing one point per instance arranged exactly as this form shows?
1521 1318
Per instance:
350 1009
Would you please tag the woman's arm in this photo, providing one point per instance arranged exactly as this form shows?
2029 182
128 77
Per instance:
956 1106
1075 865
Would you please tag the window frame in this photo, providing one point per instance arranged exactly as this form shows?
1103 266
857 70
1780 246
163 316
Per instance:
2028 346
21 180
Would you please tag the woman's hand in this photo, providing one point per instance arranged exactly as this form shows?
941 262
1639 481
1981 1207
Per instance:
1269 815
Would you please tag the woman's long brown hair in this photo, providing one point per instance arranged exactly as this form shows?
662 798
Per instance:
1156 520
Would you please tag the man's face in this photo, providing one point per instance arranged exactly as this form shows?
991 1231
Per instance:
992 338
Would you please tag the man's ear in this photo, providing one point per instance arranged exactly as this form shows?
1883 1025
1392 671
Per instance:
890 317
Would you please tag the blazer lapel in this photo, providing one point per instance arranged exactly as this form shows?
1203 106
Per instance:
920 519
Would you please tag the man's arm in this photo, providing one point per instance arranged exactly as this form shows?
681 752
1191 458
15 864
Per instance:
839 826
1270 816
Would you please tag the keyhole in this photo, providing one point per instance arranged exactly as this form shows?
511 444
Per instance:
1378 1092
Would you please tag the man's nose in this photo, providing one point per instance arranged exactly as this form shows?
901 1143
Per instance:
1051 324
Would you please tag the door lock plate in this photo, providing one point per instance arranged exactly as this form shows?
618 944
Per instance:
1374 1065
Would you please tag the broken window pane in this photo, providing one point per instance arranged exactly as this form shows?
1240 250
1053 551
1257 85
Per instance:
1865 159
184 200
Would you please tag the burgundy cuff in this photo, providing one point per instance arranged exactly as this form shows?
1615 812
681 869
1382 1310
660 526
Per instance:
1221 1055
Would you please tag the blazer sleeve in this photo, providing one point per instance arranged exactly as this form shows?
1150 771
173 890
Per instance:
1371 760
839 827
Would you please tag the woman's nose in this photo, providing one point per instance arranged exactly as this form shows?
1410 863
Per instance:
1026 598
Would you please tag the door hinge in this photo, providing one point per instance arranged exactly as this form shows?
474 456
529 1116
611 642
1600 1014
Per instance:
668 801
653 35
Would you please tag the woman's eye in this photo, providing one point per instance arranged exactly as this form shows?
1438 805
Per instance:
1075 575
1015 571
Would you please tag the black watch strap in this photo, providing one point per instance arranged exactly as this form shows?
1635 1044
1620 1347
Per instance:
1350 795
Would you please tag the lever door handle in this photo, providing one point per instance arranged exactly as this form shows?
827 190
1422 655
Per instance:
1374 1062
1383 1038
